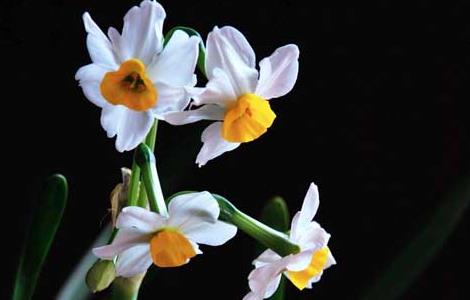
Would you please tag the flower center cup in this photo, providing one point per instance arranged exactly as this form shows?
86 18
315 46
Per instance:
170 248
249 118
129 86
301 278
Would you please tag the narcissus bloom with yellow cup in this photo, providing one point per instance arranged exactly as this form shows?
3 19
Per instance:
236 95
303 268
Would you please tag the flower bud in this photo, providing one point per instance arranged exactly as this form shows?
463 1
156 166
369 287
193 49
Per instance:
100 275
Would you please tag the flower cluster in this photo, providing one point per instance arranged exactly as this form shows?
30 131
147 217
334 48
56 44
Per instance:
140 76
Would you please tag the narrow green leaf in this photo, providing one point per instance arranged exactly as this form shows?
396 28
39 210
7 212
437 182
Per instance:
41 234
419 252
275 214
75 287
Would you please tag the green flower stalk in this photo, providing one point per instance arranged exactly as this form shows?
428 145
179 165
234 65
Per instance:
269 237
145 159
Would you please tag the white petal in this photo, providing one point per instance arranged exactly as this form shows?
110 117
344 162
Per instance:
219 90
131 127
89 78
210 234
142 31
124 239
176 63
100 49
134 217
267 257
133 261
300 261
191 209
206 112
265 280
119 47
253 296
195 247
278 72
308 210
170 99
214 145
228 50
311 236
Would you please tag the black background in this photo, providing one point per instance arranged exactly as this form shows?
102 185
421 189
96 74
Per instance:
378 120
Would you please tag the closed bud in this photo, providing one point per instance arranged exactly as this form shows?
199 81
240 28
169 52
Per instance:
100 275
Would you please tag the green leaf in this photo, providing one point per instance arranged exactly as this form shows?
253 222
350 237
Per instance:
75 287
41 234
201 60
276 215
419 252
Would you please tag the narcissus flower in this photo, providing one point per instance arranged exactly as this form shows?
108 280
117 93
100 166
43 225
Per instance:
133 78
303 268
145 237
235 96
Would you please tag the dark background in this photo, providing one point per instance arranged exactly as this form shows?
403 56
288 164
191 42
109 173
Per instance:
378 120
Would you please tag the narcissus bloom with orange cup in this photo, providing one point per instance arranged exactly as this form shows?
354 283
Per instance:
145 237
133 77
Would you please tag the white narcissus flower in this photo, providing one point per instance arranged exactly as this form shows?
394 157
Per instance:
235 96
133 78
145 237
303 268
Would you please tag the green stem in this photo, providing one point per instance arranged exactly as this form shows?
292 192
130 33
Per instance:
149 141
269 237
133 193
273 239
126 288
146 161
136 196
152 136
